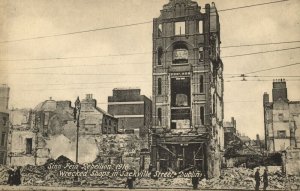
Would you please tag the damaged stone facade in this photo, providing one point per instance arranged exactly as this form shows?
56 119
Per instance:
22 138
281 119
187 89
49 131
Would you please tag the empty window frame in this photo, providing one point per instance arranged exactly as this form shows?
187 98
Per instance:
159 88
28 145
159 117
200 27
201 54
281 134
179 28
4 120
214 104
280 116
202 115
201 84
159 30
180 92
159 56
180 54
3 136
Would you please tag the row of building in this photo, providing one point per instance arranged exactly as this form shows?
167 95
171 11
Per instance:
32 136
181 127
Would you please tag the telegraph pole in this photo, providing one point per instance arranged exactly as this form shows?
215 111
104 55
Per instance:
76 119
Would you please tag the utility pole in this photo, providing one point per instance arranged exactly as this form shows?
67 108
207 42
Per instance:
76 119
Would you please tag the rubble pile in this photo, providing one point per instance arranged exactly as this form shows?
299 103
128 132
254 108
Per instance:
231 178
164 182
239 178
243 178
41 175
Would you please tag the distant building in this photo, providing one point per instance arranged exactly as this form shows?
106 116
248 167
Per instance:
230 132
97 120
4 97
132 109
281 119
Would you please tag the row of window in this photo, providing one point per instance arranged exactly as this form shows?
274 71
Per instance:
159 85
180 28
202 115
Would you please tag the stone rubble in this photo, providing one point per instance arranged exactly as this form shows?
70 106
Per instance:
237 178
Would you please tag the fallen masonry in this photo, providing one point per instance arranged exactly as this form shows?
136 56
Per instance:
237 178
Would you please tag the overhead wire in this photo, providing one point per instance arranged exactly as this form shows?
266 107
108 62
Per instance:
82 57
127 25
273 68
254 5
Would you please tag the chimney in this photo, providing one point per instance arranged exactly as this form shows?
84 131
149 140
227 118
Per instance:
89 96
266 98
279 90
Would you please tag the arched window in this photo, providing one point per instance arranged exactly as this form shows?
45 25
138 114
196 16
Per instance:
201 84
159 56
159 116
202 115
180 54
159 86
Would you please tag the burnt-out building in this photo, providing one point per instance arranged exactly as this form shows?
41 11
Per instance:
132 109
49 130
187 89
281 119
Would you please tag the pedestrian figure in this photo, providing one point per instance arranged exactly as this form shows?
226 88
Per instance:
17 176
130 179
195 182
265 179
257 179
10 176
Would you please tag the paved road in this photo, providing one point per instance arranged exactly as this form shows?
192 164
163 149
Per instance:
47 188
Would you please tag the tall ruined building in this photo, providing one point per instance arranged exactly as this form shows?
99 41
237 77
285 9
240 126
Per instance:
187 89
281 119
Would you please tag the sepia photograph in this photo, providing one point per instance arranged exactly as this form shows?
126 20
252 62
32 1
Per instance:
149 95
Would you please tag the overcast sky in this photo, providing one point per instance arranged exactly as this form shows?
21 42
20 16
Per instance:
33 81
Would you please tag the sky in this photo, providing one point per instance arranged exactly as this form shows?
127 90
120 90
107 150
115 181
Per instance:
33 77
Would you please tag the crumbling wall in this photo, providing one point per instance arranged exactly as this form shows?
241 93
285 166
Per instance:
214 158
292 162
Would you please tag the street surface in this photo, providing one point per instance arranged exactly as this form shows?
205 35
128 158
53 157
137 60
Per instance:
48 188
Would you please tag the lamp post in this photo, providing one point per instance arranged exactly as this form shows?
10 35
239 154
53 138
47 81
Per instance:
76 119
